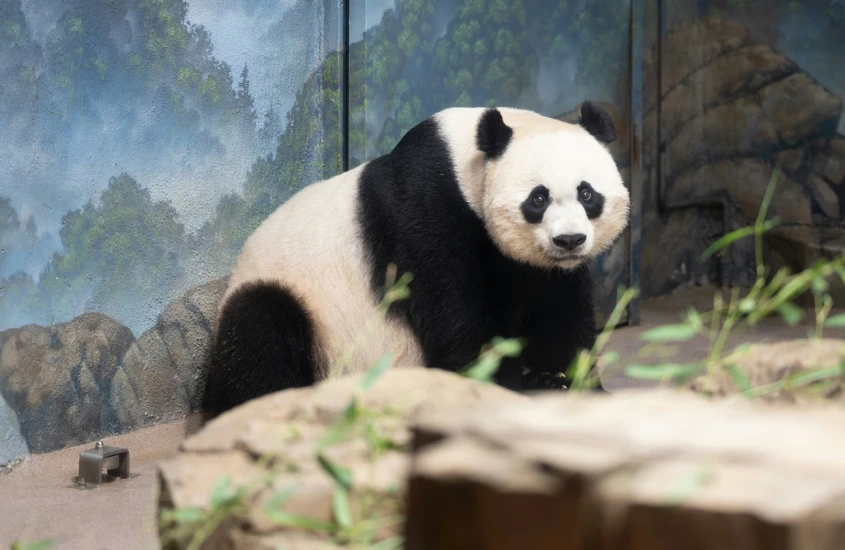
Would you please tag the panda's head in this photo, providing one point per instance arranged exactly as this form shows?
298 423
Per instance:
549 192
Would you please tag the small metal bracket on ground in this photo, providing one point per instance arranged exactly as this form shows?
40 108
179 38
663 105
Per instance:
92 461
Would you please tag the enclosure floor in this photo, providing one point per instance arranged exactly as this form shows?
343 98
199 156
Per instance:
38 500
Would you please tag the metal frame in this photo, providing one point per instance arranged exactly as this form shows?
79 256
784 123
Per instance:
636 174
344 115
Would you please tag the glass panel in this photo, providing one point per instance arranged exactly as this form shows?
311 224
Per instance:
142 142
412 58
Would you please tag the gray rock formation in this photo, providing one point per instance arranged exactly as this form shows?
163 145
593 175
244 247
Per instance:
74 382
58 378
165 368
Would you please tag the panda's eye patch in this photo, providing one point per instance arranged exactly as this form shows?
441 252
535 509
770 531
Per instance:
591 200
534 206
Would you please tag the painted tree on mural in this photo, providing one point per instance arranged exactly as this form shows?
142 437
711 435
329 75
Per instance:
116 253
309 150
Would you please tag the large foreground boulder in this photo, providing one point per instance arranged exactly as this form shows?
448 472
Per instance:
471 465
284 429
658 470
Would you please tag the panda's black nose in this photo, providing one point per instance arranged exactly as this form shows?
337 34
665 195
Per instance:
570 242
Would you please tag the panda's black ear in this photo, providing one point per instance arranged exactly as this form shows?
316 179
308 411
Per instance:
493 135
597 122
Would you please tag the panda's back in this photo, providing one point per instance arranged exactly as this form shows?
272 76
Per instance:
312 246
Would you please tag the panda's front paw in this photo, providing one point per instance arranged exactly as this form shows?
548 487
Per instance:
545 381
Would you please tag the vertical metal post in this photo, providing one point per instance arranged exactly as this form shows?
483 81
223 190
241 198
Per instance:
345 89
636 175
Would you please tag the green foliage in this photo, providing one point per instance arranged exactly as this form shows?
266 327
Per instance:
40 545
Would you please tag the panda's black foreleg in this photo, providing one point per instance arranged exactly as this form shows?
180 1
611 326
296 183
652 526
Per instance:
539 380
264 343
545 381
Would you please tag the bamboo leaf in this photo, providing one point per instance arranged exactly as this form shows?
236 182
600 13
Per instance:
671 333
610 357
388 544
273 513
815 376
739 378
343 427
222 493
376 371
341 475
767 197
726 240
340 505
511 347
835 321
791 313
189 514
302 522
669 371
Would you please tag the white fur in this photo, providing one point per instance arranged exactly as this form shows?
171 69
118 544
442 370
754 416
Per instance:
543 151
310 244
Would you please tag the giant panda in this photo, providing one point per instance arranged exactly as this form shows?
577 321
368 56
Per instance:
496 214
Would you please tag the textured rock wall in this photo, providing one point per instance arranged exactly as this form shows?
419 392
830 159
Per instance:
74 382
729 110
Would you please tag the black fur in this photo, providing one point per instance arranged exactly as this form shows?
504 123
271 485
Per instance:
492 134
595 205
264 343
597 122
464 291
532 213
